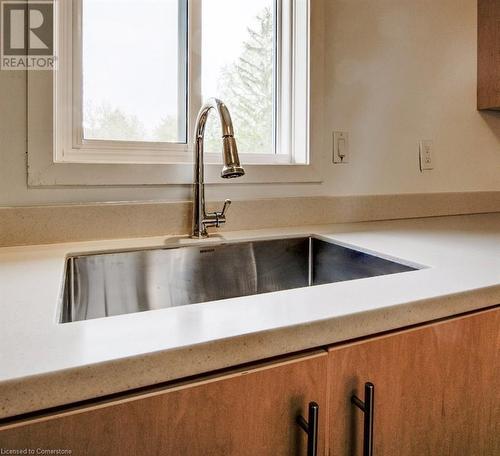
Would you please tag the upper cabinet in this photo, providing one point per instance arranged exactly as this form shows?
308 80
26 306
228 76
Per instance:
488 75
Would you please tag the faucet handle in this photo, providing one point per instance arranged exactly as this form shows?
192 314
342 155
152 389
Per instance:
217 218
225 208
220 216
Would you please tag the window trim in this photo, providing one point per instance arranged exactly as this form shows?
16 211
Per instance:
45 169
69 145
72 12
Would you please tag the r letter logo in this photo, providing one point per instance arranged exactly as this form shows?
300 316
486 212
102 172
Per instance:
27 35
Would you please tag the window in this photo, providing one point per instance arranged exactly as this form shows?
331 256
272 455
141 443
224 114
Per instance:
241 70
133 71
132 76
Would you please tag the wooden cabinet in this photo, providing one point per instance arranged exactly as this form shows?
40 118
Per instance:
437 393
437 390
245 413
488 75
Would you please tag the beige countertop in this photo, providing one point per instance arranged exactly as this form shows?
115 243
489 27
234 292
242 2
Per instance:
45 364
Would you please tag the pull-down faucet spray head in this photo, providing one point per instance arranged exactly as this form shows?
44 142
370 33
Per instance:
232 167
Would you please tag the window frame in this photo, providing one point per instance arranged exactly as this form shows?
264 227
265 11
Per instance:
70 147
43 171
100 148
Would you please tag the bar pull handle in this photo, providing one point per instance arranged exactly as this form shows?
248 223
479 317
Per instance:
368 408
310 427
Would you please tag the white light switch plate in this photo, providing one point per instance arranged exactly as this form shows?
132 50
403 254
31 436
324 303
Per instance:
340 147
426 155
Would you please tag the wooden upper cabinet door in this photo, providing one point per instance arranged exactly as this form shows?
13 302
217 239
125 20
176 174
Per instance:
437 390
488 55
248 413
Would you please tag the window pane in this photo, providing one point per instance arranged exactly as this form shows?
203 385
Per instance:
134 70
238 56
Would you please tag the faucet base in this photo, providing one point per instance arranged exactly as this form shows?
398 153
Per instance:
200 235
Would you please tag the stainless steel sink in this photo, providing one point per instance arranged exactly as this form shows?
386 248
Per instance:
108 284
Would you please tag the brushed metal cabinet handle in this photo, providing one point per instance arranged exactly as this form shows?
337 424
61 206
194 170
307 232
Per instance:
310 427
368 408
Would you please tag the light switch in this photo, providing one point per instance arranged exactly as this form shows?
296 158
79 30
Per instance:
340 147
426 155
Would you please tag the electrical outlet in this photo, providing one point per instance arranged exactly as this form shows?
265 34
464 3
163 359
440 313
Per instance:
426 148
340 147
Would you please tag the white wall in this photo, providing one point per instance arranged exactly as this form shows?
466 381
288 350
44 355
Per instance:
394 72
403 70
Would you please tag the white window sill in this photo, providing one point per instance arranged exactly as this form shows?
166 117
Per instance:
43 172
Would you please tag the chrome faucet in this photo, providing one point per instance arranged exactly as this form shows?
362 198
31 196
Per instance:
232 167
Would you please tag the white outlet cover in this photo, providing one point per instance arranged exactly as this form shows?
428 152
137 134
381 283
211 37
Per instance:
426 154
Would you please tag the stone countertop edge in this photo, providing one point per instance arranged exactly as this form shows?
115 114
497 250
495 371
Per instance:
79 384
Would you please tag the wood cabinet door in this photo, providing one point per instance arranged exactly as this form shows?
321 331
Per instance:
250 412
437 390
488 46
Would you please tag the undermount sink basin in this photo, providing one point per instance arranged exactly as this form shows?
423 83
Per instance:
103 285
